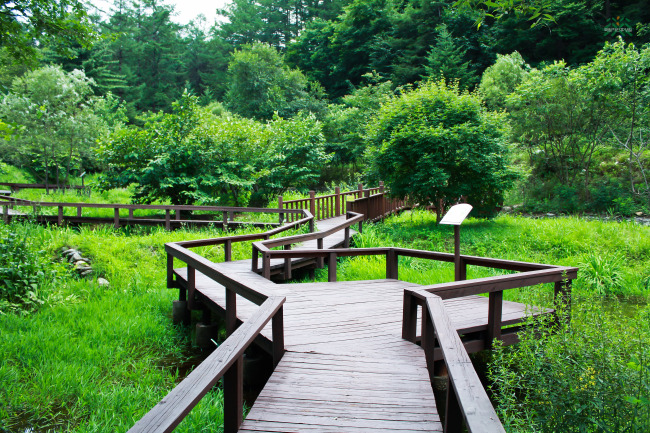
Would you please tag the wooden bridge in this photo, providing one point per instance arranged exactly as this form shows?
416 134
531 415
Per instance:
350 356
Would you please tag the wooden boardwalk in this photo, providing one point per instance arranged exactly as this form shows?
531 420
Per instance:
346 367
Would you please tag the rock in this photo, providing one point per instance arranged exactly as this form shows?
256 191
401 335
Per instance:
86 273
103 282
80 263
639 214
550 215
82 269
63 250
507 209
76 257
69 252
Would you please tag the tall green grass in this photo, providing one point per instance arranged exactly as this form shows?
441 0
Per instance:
96 359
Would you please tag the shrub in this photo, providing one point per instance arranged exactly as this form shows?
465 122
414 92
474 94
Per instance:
436 144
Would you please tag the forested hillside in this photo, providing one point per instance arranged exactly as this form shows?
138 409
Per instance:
312 77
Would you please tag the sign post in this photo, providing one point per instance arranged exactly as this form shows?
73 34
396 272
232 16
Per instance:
455 216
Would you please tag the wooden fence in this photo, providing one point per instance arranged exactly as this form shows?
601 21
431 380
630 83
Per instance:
376 206
14 187
328 206
226 215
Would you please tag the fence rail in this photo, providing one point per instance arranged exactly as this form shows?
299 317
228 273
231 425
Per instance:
228 213
330 205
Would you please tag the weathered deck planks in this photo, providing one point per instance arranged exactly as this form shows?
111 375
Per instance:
347 367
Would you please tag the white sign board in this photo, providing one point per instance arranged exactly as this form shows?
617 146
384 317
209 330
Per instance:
456 214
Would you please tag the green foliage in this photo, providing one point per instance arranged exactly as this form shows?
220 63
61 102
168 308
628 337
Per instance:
591 376
345 124
26 272
446 60
260 84
602 274
435 144
502 78
24 24
535 11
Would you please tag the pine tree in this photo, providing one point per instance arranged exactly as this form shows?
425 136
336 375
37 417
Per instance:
445 60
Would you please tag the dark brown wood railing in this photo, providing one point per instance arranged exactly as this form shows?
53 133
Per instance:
377 206
467 401
227 360
330 205
14 187
227 219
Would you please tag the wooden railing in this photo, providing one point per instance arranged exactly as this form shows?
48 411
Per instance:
330 205
264 247
227 360
177 220
377 206
18 186
467 401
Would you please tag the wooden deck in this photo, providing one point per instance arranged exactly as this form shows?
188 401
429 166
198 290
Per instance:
347 367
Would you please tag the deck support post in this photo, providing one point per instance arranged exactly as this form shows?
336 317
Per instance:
331 268
255 259
453 413
428 341
495 308
233 396
180 313
170 271
277 325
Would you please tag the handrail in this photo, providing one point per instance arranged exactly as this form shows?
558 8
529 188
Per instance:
466 399
225 361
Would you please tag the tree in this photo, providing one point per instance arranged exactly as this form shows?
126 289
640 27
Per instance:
445 60
26 24
502 78
260 83
435 145
59 124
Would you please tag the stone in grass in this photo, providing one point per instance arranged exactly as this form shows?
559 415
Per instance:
102 282
86 273
81 263
76 257
70 252
83 269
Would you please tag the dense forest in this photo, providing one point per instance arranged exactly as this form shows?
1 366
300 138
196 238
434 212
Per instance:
281 94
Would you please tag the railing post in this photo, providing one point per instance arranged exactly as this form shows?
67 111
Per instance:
381 187
5 213
409 317
311 225
337 197
312 203
130 213
495 309
287 264
231 216
59 219
391 265
463 269
266 265
170 271
320 261
191 286
360 188
562 300
331 268
457 253
277 329
224 220
233 397
346 240
231 311
78 211
361 226
227 251
178 215
428 340
116 218
281 214
168 220
255 259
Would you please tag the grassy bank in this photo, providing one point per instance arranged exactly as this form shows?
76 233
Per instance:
93 359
